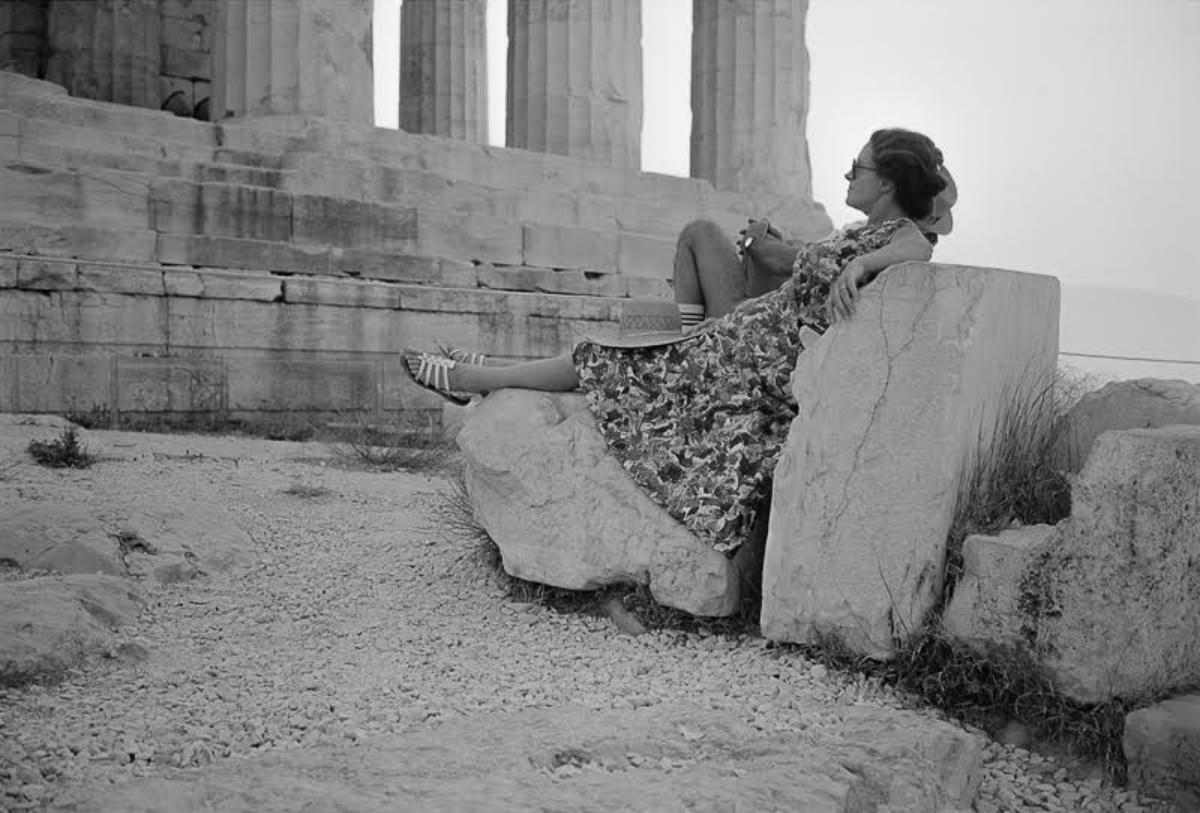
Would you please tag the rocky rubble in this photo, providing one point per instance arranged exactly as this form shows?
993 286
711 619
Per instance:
359 620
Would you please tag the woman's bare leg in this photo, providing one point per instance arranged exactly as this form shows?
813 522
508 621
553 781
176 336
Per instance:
708 271
549 375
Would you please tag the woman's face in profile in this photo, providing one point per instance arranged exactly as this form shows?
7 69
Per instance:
864 182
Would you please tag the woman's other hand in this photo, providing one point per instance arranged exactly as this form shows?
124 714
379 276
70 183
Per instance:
844 291
755 230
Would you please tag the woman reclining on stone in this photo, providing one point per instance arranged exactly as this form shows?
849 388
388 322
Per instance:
699 419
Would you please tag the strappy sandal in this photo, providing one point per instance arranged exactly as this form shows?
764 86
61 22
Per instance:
433 373
463 356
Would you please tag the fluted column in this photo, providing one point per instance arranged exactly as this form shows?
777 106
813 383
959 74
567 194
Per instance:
443 68
23 45
750 95
106 50
307 57
575 78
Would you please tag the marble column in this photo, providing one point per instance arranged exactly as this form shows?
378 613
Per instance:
750 96
301 57
443 68
106 50
23 46
575 78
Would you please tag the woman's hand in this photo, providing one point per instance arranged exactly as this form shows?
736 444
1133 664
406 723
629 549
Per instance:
755 230
844 291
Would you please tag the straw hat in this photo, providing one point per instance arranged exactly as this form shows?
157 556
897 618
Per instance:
646 323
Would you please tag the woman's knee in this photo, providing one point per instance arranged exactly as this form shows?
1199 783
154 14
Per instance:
700 232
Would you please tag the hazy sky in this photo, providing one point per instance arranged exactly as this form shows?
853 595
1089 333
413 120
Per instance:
1072 128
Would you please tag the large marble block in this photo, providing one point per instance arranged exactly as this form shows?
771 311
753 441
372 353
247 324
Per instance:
564 512
892 405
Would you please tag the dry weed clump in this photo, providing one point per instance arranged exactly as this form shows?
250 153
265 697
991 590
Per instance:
64 451
387 448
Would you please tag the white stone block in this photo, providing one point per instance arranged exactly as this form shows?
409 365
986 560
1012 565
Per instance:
892 403
564 512
985 606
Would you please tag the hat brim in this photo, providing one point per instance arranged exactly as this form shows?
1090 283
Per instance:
641 340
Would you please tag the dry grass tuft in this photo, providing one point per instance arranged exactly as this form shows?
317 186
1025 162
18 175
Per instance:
387 448
64 451
307 492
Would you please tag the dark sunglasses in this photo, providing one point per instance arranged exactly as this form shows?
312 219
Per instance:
855 167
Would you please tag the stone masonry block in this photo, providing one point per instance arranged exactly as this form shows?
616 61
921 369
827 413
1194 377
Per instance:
228 252
222 325
455 237
644 255
551 246
589 283
8 271
78 241
98 198
516 278
649 288
82 318
348 293
222 210
170 384
276 382
384 266
326 221
221 284
53 383
114 279
38 274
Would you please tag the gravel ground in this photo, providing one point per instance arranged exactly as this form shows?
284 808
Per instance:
360 616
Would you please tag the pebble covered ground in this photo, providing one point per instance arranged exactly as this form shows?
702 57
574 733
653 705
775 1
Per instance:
363 615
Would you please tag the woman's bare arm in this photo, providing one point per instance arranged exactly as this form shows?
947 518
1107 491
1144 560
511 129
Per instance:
906 244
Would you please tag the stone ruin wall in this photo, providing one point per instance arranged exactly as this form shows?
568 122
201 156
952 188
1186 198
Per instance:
277 260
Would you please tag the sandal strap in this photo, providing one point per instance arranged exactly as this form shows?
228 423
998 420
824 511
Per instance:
434 371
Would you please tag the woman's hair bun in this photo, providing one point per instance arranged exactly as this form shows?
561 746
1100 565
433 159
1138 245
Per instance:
910 160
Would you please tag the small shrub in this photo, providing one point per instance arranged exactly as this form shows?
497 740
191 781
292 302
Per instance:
65 451
306 492
97 416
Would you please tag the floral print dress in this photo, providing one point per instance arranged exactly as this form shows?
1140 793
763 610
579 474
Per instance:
700 424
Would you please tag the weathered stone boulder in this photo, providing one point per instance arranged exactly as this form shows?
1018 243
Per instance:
1109 601
990 587
166 543
893 403
52 623
658 758
1162 750
564 512
1144 403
